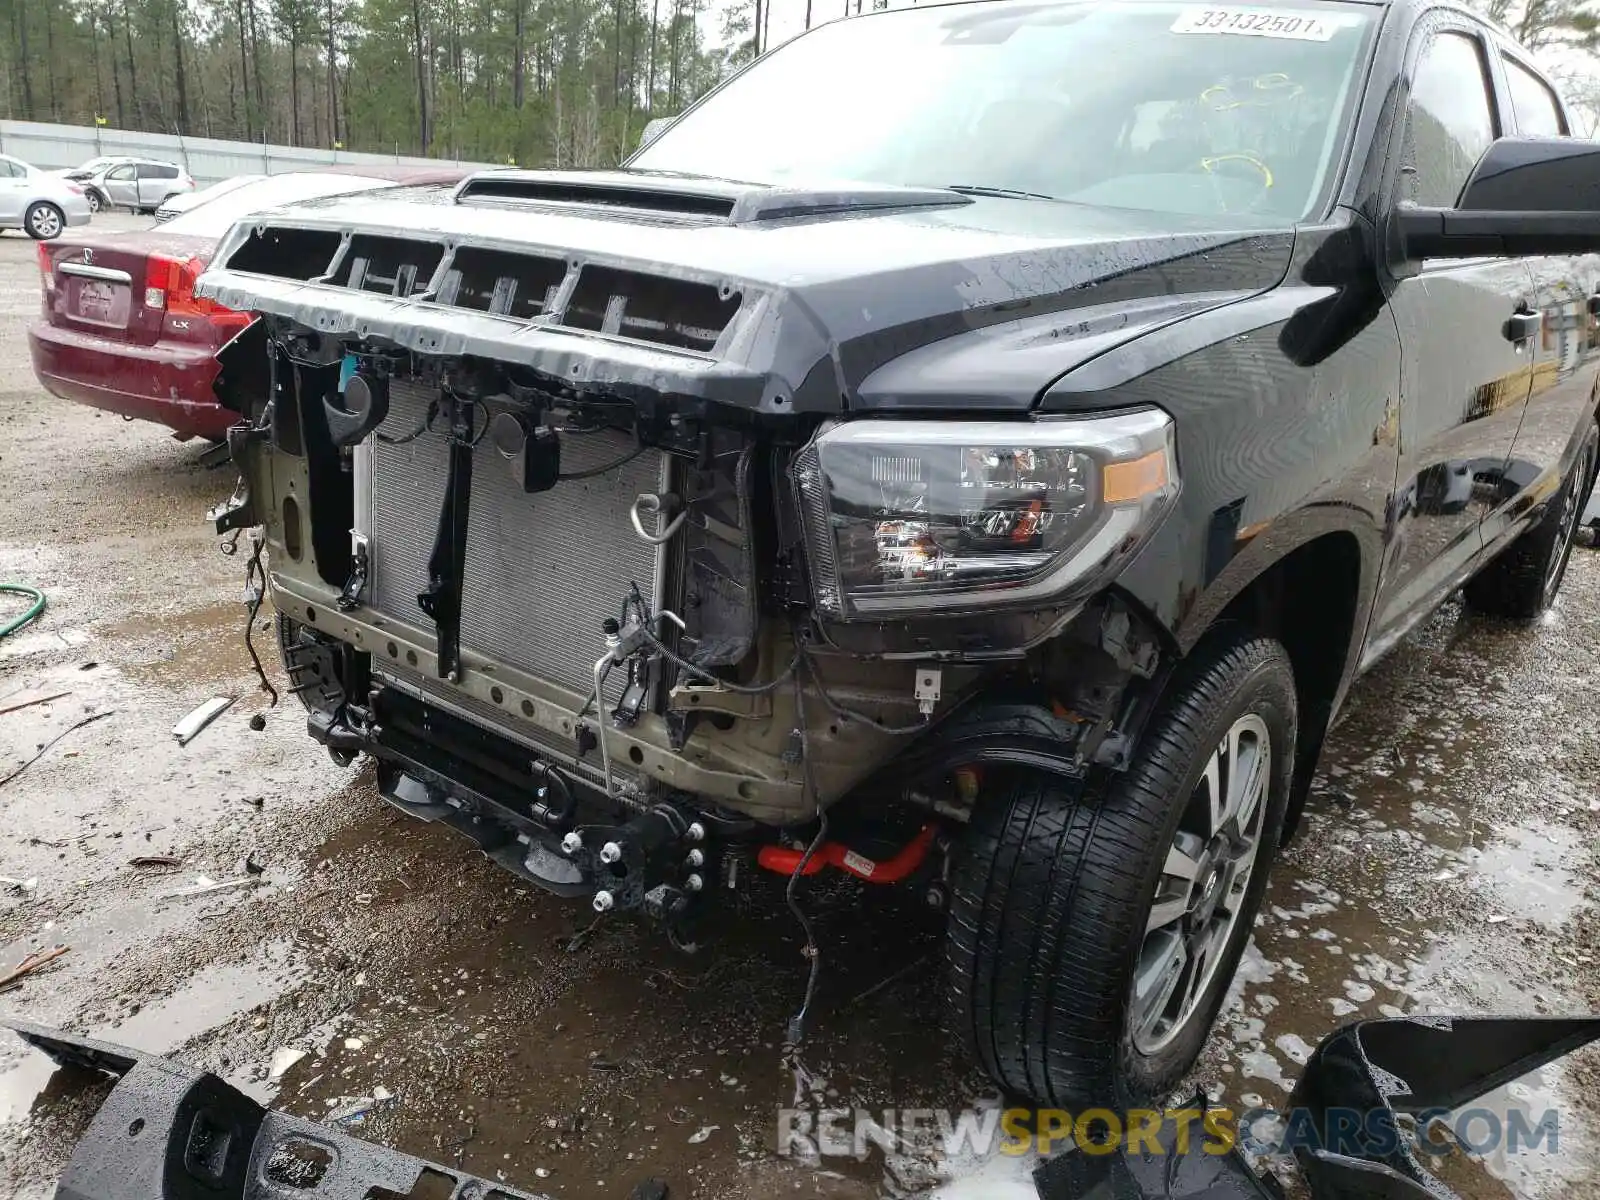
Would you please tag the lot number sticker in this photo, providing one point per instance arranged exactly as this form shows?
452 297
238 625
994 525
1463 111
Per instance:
1258 22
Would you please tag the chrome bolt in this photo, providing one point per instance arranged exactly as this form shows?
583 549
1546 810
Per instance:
934 896
603 902
610 853
694 883
696 832
572 843
694 858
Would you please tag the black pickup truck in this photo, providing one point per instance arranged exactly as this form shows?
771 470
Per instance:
974 449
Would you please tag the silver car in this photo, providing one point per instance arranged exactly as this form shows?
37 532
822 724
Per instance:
38 202
141 184
184 201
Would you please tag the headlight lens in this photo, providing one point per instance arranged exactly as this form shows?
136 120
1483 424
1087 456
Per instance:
911 517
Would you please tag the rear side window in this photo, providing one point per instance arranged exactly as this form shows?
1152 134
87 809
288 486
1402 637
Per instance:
1537 109
1449 123
157 171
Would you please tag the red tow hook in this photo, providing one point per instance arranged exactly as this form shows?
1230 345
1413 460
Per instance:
836 854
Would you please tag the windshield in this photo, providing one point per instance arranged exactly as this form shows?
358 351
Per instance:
1160 106
215 217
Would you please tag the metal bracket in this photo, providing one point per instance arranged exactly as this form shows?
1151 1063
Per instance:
441 602
708 697
926 689
360 567
237 511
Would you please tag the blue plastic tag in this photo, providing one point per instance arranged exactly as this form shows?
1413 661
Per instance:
347 370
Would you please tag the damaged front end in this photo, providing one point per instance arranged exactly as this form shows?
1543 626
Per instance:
576 545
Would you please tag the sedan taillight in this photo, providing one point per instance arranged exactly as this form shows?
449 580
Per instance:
169 285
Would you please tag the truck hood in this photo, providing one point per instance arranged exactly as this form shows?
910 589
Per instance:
778 299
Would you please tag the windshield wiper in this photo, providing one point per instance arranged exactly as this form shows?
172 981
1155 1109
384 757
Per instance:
976 189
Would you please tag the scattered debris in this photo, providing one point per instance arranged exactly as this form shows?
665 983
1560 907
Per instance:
702 1134
1496 918
204 886
282 1059
155 860
88 666
353 1043
249 866
29 965
649 1189
1442 876
17 705
579 938
257 723
18 885
892 977
355 1112
189 728
89 720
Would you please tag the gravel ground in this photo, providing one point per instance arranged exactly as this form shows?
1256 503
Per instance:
1446 864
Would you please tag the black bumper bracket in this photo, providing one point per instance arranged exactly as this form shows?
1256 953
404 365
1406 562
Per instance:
168 1130
441 602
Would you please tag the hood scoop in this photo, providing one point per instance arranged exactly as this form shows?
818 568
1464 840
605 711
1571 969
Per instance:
693 197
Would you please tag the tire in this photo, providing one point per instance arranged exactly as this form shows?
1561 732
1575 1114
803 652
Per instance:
43 221
96 202
1054 883
1522 581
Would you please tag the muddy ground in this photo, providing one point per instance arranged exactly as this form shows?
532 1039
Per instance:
1446 864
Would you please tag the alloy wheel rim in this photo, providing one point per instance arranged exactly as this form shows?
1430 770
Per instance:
1572 500
1204 881
45 223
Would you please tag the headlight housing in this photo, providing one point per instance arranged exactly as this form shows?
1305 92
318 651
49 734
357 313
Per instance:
933 517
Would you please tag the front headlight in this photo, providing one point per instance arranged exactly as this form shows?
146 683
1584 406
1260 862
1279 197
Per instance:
907 517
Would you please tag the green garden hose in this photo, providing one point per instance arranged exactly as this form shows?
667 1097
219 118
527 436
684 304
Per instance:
34 609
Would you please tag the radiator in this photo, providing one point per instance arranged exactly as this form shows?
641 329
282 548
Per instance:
541 571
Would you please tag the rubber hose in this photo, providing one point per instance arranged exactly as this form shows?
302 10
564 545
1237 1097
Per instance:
34 609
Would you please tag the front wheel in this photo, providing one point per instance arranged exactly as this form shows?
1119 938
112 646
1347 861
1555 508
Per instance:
43 221
1094 927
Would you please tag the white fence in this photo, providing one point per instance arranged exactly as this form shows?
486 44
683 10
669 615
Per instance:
207 159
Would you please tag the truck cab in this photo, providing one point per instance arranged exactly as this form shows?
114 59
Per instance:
974 448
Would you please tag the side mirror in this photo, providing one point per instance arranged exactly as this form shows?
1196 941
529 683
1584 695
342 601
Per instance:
1526 196
652 130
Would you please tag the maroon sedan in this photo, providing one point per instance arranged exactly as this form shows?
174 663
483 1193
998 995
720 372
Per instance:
122 328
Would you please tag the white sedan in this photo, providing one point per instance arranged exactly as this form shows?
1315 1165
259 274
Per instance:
38 202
